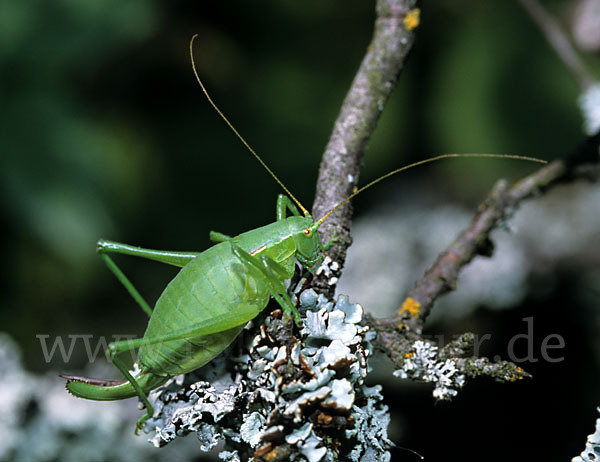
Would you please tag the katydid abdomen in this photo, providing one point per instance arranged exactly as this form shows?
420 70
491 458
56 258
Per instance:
207 304
214 283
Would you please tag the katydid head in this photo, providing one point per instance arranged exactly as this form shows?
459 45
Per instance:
306 240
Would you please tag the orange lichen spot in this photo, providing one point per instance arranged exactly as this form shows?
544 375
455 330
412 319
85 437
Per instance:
409 354
515 377
412 306
271 455
518 376
411 20
399 326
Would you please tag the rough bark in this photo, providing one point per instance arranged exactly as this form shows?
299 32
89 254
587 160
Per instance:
392 39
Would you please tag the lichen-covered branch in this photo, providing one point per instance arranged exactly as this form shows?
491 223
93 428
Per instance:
376 78
396 335
291 393
300 394
475 240
450 366
285 394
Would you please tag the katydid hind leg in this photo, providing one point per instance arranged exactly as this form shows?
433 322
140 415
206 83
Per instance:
168 257
138 389
127 284
269 270
172 258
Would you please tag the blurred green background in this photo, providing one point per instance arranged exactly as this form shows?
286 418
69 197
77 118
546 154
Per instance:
104 132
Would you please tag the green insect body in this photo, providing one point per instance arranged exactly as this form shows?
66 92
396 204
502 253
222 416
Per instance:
218 283
214 295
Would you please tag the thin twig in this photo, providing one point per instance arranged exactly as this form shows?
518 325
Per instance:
396 335
376 78
443 275
558 39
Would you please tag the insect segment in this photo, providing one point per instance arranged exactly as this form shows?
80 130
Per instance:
216 292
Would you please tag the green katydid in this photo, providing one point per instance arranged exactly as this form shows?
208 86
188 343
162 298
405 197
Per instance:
205 307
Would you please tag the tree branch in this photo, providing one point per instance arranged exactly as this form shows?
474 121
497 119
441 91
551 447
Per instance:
340 167
442 277
559 41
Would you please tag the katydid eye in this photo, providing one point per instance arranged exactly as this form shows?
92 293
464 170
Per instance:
307 232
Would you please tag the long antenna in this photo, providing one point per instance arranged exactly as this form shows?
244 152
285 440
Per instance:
237 133
421 162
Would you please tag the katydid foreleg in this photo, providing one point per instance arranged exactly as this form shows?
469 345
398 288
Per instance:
136 386
274 274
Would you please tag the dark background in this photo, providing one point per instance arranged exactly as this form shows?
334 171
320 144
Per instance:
105 134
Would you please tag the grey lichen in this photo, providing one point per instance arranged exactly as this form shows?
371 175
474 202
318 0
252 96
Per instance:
591 453
295 396
450 366
330 269
370 429
423 364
